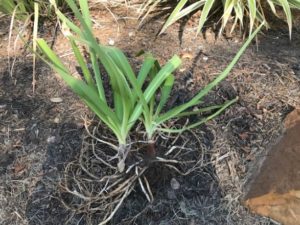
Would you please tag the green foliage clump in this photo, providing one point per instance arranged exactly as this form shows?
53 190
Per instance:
250 11
29 13
24 9
136 97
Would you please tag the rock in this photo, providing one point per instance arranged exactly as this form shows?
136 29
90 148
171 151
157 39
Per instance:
51 140
292 119
111 42
273 189
131 34
56 100
186 55
2 106
56 120
175 184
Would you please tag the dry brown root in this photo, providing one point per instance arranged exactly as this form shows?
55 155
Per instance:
122 150
94 184
94 193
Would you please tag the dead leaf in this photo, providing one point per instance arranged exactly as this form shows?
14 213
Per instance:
18 168
244 135
186 55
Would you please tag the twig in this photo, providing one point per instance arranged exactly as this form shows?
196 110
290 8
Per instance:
128 191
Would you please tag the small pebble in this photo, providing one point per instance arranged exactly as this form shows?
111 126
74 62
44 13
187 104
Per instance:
51 140
2 106
56 100
186 55
131 34
56 120
175 184
111 42
7 141
205 58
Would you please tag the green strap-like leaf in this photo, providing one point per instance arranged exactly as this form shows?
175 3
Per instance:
252 11
175 111
206 9
294 4
204 120
86 12
286 7
228 8
7 6
272 6
145 69
83 65
202 110
174 14
165 71
189 9
165 93
79 87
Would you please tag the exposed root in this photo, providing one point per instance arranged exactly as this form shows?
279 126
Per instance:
147 192
104 195
96 138
94 184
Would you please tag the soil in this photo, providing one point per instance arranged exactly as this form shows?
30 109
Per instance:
39 137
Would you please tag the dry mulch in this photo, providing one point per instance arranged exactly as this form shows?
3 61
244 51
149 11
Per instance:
38 138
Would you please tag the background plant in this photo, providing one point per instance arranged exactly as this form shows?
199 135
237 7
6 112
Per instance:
24 9
29 13
251 12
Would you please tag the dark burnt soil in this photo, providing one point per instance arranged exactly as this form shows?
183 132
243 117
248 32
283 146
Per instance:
191 204
39 137
190 196
178 199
